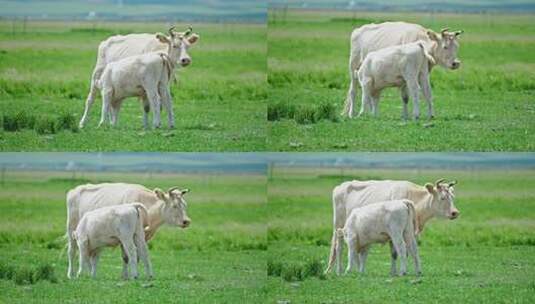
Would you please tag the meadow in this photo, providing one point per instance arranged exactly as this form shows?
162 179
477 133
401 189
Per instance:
486 105
485 256
45 69
220 258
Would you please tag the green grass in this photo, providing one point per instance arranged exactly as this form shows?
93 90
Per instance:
219 259
484 256
487 105
219 102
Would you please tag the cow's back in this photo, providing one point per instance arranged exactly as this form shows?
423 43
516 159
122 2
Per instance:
372 37
122 46
378 191
90 196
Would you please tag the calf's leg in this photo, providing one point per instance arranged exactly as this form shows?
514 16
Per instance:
155 104
413 87
93 260
405 101
131 252
106 102
426 89
143 254
413 251
401 249
394 256
168 103
363 255
351 253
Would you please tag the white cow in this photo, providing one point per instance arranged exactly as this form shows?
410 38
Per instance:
430 200
373 37
111 226
163 207
393 221
120 47
404 66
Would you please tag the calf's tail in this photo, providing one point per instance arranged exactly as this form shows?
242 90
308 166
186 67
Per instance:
412 216
143 215
426 54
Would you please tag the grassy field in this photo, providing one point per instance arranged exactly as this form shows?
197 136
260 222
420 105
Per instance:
219 259
484 256
487 105
219 102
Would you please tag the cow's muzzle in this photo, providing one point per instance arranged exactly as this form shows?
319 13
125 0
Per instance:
454 214
455 65
185 62
185 223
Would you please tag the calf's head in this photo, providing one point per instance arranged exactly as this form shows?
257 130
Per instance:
447 46
174 207
443 196
178 44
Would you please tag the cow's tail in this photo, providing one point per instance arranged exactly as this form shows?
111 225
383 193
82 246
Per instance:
412 215
338 236
353 68
426 54
143 215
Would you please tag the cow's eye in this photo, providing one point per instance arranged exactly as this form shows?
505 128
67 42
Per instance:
445 47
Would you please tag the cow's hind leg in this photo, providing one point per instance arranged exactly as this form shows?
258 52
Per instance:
92 94
71 252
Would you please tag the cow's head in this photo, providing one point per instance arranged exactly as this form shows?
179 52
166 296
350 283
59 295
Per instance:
178 44
174 206
443 196
447 46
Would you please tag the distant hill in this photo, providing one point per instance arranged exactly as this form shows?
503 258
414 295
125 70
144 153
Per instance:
172 10
257 162
519 6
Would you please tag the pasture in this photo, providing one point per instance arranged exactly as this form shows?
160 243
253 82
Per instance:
486 255
486 105
45 69
220 258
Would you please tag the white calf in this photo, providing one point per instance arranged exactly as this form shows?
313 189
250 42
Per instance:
111 226
406 66
393 221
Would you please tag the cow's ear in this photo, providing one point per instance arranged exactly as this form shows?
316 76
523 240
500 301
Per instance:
193 38
159 193
430 188
162 38
185 191
432 35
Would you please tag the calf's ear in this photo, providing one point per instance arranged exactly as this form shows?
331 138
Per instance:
159 193
162 38
185 191
193 38
430 188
